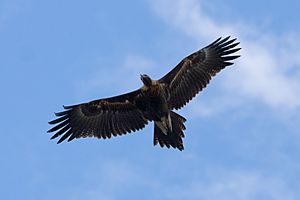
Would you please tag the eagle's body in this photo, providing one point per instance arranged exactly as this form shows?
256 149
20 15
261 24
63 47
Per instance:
154 101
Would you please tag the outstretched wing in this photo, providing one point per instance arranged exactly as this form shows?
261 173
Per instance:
100 118
194 72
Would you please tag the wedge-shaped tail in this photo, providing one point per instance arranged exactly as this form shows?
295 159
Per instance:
172 138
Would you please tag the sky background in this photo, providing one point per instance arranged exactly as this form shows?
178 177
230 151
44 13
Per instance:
242 139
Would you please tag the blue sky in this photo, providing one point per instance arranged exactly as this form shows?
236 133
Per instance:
242 138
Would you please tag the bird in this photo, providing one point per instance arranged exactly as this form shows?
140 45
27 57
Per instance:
156 101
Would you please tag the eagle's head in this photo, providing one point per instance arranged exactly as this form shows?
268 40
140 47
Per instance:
146 80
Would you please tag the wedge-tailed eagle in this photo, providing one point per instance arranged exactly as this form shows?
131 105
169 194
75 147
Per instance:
154 101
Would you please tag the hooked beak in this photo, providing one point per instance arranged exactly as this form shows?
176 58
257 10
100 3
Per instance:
142 76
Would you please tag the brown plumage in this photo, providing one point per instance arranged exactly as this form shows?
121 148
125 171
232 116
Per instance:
154 101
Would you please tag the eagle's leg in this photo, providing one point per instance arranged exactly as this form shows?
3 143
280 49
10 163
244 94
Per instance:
165 124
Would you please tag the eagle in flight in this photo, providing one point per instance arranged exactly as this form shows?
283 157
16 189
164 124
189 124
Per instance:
154 101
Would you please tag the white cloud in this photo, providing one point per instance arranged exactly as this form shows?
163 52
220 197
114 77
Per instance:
187 16
269 69
238 185
113 179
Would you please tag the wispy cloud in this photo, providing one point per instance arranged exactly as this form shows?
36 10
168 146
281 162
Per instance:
268 71
234 186
115 179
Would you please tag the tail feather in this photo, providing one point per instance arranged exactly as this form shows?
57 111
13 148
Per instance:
172 138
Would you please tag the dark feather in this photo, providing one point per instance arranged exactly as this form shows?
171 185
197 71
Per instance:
59 126
174 138
101 118
230 51
58 120
65 136
194 72
61 131
62 113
